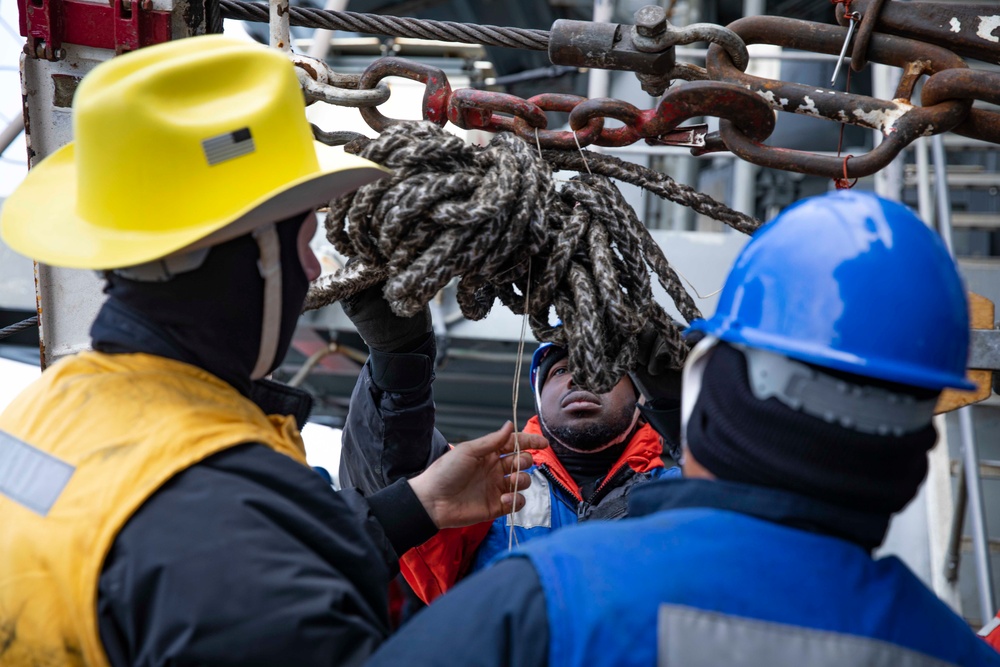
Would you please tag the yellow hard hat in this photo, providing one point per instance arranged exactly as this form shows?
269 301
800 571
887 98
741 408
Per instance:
177 146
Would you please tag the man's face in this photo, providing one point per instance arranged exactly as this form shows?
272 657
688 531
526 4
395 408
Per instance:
580 419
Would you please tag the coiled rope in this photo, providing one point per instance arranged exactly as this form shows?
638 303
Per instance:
487 214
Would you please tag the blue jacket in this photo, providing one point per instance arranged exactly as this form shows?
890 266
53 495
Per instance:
709 571
390 434
553 500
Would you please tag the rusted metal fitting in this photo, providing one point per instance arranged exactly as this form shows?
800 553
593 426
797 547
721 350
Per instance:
652 33
604 46
650 22
279 15
967 84
697 98
436 94
492 111
317 69
470 108
898 120
646 48
970 30
859 54
560 140
655 84
320 84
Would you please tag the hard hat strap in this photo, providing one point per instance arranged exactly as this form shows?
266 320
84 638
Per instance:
269 266
691 380
162 270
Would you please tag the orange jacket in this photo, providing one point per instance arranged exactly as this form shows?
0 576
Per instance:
438 564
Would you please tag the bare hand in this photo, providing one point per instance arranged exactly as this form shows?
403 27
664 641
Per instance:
475 481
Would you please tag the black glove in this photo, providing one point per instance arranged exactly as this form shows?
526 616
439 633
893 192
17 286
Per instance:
654 375
660 384
382 329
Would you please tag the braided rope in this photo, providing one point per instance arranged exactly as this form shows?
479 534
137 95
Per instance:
395 26
485 215
655 182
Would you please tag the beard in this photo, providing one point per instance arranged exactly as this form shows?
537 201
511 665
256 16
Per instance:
590 436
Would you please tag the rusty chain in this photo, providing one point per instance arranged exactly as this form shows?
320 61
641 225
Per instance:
914 37
473 109
899 121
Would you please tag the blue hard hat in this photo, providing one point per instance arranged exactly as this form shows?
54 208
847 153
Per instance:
536 360
852 282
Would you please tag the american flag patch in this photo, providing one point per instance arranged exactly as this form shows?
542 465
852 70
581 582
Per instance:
228 146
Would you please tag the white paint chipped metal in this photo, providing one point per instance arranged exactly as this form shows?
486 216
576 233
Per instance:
987 26
768 95
809 108
882 119
956 25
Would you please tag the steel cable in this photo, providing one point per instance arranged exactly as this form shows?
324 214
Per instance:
395 26
485 215
18 327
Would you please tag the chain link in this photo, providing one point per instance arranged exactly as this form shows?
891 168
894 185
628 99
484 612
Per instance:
743 103
899 120
473 109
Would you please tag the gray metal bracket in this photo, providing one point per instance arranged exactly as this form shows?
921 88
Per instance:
984 349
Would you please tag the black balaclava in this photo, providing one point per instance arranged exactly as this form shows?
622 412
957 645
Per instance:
213 313
739 438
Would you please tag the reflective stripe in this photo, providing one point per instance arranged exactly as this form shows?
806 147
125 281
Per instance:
29 476
990 627
689 637
537 510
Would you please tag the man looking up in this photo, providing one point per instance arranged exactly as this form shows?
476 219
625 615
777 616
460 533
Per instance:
601 446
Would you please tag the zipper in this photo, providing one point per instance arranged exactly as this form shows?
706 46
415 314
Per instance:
606 484
584 505
552 478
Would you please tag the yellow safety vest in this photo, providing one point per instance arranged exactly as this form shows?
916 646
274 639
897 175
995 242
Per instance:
80 451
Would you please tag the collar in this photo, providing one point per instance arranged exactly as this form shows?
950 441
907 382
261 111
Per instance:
866 529
119 329
642 454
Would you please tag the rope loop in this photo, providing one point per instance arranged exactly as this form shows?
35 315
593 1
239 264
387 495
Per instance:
496 219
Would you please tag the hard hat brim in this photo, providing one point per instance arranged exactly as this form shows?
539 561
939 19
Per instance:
40 220
885 369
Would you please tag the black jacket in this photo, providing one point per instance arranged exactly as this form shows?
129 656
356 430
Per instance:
390 434
249 558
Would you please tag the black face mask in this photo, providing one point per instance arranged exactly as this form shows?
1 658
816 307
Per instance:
213 314
740 438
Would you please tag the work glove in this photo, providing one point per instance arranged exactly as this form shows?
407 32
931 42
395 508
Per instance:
654 375
660 385
381 329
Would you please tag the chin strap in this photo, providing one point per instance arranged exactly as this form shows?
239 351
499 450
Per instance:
694 370
611 443
269 266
